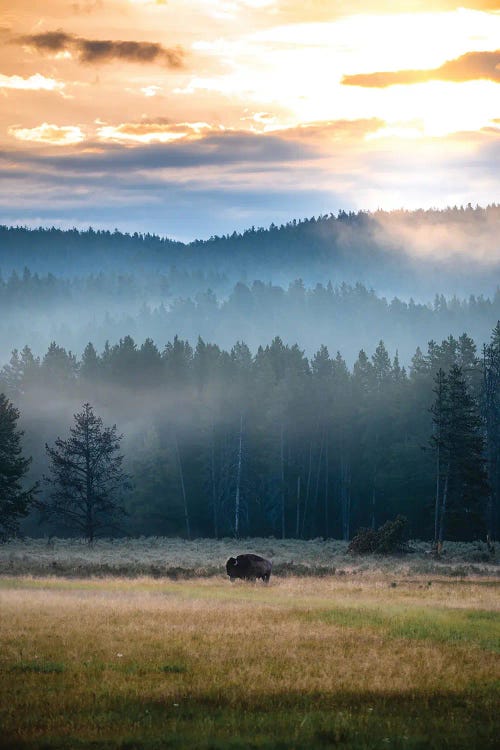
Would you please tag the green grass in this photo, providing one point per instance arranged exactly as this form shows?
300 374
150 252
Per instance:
439 624
357 722
299 665
39 667
174 668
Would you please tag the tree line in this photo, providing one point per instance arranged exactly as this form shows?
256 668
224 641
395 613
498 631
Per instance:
349 237
105 306
226 442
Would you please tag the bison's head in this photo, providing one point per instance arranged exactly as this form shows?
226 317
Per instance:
231 565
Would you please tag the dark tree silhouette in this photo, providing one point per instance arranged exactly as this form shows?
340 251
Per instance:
14 501
461 461
325 449
87 481
491 412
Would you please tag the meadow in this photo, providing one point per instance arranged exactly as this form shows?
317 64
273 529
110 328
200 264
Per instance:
177 558
357 660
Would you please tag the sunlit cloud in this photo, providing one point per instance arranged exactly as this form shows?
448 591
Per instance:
294 72
54 135
151 132
249 106
150 91
104 50
469 67
293 11
36 82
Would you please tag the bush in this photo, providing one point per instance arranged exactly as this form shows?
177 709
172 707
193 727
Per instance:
364 543
388 539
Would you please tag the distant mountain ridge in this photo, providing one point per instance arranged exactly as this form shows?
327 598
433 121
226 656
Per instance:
382 249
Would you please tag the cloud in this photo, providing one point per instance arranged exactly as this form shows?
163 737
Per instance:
219 172
150 91
234 179
52 134
311 11
105 50
472 66
150 132
345 131
36 82
226 149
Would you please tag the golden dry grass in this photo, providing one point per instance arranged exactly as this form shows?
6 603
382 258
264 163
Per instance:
200 663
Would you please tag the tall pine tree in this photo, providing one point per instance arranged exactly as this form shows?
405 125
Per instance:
87 480
461 484
14 500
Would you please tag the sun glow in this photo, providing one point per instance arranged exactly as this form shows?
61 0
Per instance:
298 70
256 97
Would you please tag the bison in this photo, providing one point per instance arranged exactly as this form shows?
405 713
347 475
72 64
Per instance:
249 567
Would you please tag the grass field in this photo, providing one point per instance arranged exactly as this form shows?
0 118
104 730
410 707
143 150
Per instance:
178 558
334 661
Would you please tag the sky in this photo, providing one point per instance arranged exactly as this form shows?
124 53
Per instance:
190 118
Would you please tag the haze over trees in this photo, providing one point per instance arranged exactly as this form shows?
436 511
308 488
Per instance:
343 281
376 248
223 443
272 382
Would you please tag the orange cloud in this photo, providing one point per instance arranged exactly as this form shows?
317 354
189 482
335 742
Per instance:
472 66
36 82
307 11
338 130
51 134
104 50
152 132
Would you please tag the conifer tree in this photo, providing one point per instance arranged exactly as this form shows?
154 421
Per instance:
439 412
461 459
14 500
86 481
491 411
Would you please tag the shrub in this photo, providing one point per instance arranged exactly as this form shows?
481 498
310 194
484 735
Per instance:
388 539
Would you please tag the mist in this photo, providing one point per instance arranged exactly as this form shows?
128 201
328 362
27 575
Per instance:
346 282
251 339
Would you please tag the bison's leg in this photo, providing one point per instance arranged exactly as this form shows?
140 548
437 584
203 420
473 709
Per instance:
266 577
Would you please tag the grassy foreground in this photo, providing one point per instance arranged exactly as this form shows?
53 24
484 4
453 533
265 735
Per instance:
303 663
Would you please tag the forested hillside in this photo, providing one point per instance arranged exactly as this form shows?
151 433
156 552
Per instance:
390 250
36 310
331 426
309 446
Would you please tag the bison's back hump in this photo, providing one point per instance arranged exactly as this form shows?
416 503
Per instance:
250 557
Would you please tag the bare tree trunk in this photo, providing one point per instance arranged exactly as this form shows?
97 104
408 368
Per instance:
282 460
374 496
214 490
345 497
443 508
297 520
308 488
438 495
183 488
327 478
318 473
238 483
